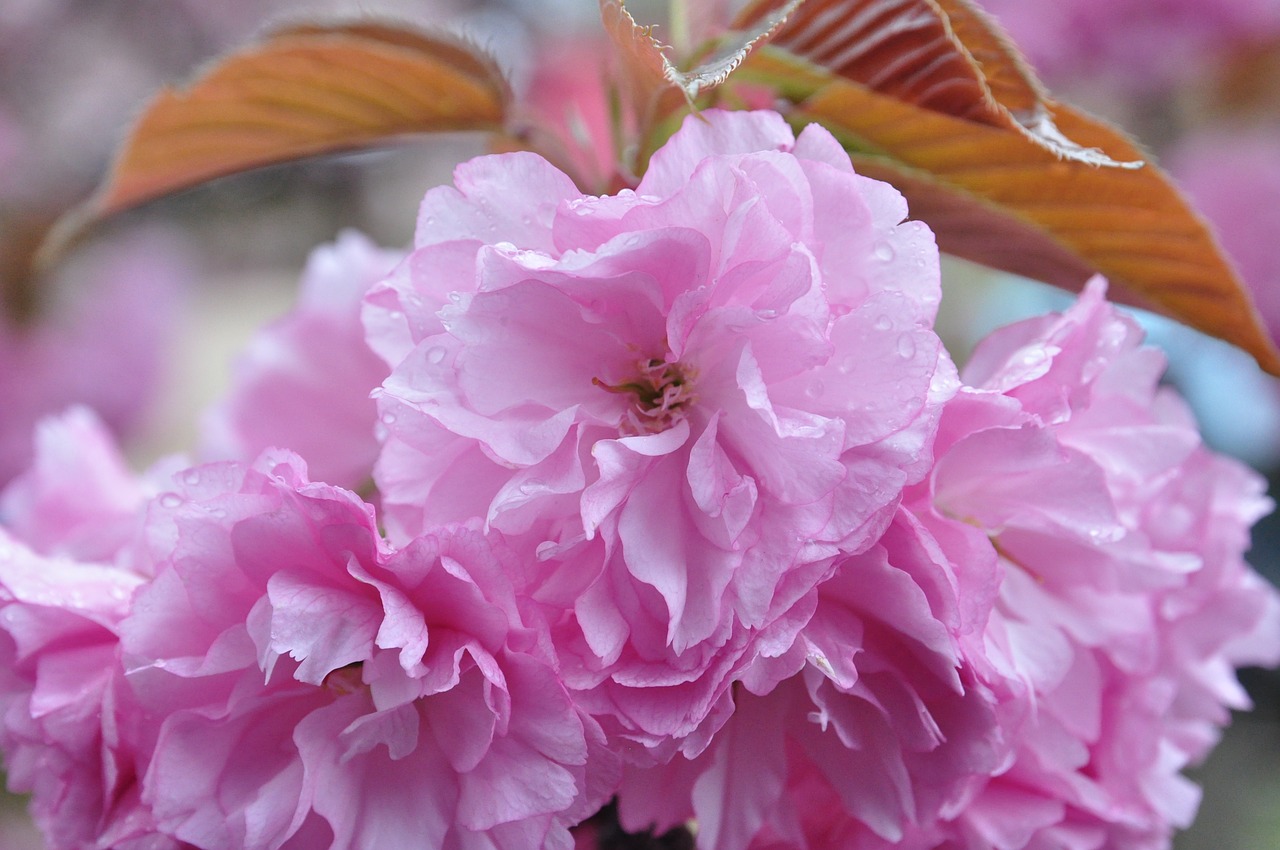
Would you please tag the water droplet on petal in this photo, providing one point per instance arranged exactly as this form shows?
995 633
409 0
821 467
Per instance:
883 323
388 418
906 346
191 477
435 354
1032 357
815 390
531 487
170 500
884 251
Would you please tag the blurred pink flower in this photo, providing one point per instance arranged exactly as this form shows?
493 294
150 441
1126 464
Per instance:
1234 179
1138 44
304 382
307 687
573 107
687 397
1124 602
106 352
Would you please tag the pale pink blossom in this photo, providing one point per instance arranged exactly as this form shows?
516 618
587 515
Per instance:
307 687
1124 602
305 381
887 728
68 727
79 499
687 398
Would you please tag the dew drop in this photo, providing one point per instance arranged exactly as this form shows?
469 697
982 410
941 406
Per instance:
906 346
170 500
884 251
767 314
847 365
815 390
191 477
531 487
884 323
435 354
388 418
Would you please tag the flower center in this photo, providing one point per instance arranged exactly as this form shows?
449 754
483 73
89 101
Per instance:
663 393
345 680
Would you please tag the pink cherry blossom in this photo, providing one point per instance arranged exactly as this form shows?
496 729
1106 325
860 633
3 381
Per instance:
886 693
1124 602
310 688
686 398
69 728
79 499
304 382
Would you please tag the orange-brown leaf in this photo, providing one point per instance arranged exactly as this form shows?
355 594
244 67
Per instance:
657 86
301 92
643 56
944 56
995 196
650 97
648 63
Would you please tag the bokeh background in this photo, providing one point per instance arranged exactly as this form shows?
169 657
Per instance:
144 321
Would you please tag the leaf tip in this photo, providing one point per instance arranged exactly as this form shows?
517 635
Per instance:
66 233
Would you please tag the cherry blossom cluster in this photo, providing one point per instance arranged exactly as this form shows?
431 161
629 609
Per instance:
672 498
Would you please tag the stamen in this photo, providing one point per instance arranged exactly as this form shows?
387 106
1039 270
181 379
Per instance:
663 394
345 680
